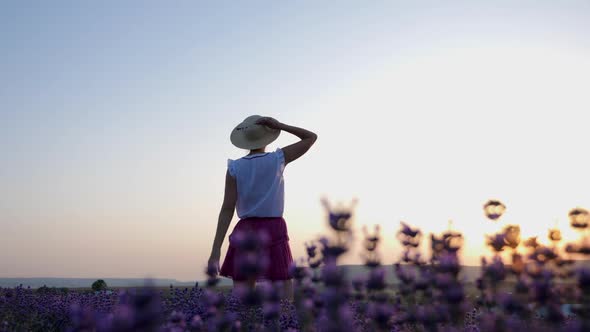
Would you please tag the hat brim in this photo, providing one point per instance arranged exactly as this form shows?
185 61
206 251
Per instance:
238 139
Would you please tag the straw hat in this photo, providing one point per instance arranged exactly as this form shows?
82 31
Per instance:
249 135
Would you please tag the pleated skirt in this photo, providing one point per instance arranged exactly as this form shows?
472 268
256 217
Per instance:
273 251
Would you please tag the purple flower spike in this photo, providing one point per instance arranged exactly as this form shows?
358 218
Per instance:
554 235
543 254
376 280
250 241
271 310
584 279
340 221
409 238
82 318
298 272
311 250
196 324
332 276
497 241
494 209
251 265
512 236
176 322
449 263
454 294
250 296
579 218
496 271
531 242
381 314
358 283
443 280
408 231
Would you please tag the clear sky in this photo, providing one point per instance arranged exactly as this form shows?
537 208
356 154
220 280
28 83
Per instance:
115 121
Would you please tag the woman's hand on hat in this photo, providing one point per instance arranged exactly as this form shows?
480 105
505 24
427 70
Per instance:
271 123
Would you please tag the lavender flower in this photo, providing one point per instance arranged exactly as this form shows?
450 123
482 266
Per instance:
409 237
579 218
539 290
497 241
512 236
531 242
554 235
339 219
494 209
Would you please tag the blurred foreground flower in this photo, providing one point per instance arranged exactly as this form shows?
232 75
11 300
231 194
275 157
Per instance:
497 241
408 236
554 235
339 218
531 242
371 256
251 262
579 218
494 209
512 236
542 288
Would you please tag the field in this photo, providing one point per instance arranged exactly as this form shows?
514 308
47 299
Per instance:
521 285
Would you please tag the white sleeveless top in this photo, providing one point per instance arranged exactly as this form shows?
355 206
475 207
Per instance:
259 178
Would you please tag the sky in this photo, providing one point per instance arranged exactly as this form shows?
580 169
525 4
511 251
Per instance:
115 121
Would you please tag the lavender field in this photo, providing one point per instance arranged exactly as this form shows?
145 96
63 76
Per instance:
522 285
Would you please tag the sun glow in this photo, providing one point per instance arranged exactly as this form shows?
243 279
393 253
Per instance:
444 132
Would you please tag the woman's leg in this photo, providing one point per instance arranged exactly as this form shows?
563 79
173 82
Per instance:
243 285
246 284
286 287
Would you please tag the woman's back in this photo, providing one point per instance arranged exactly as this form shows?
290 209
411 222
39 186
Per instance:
260 184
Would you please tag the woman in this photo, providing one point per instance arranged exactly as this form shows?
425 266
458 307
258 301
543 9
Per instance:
254 187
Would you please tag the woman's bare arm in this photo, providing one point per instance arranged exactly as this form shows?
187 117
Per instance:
225 216
294 150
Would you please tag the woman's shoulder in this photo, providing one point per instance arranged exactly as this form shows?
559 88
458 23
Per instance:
280 155
232 166
277 153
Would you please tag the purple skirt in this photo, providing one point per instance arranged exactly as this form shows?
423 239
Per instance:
258 249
